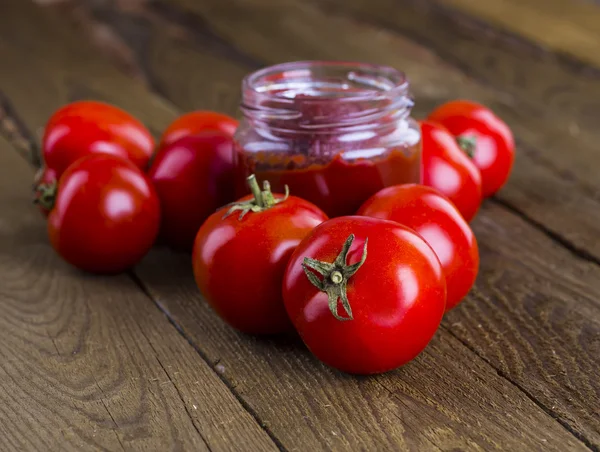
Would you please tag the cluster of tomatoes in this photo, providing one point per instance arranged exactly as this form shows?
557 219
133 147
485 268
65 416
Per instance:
110 192
366 292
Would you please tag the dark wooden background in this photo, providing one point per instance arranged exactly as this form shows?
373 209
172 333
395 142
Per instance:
139 362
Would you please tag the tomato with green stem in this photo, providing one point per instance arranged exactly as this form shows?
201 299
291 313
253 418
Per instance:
483 136
436 219
104 216
240 254
449 170
366 295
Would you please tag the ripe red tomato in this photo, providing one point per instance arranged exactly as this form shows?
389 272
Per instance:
88 127
106 214
196 122
239 259
364 306
437 220
482 134
448 169
193 177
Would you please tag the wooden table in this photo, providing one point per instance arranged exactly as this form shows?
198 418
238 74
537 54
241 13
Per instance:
139 362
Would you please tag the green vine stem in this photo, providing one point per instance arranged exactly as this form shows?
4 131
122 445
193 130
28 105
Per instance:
263 200
45 195
335 277
468 144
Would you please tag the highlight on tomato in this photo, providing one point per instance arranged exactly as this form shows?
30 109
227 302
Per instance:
193 176
240 255
196 122
104 214
366 295
92 127
449 170
483 136
436 219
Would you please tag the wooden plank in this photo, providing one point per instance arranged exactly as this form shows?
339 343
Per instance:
300 31
163 46
552 106
552 187
377 46
68 62
447 398
534 314
546 83
291 392
88 363
551 87
568 26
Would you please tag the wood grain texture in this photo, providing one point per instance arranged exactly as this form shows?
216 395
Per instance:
164 46
432 84
569 26
552 104
447 398
564 91
535 183
88 363
552 187
534 315
422 406
45 72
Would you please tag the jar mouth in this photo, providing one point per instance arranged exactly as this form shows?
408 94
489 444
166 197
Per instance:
313 95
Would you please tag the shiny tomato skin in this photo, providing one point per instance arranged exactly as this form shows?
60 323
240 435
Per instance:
106 214
194 176
397 296
495 144
239 264
196 122
436 219
88 127
449 170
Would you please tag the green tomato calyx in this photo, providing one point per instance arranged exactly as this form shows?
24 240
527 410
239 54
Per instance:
468 144
45 195
335 277
263 200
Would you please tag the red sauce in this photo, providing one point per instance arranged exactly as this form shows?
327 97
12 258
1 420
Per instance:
340 186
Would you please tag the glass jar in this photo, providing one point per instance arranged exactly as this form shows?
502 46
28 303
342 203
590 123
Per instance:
335 133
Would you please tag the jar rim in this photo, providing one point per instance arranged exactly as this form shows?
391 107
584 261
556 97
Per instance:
319 94
385 79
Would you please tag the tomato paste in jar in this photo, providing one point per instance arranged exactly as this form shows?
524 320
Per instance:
335 133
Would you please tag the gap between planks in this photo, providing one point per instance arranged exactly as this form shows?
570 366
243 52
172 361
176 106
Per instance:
574 23
209 362
536 225
189 20
530 396
196 25
568 60
22 139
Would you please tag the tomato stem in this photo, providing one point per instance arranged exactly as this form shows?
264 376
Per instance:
468 144
255 189
263 200
335 277
45 195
